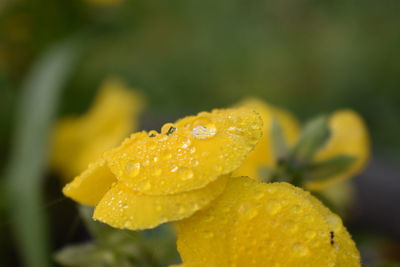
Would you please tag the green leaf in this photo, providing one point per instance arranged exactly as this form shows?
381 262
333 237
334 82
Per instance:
328 168
314 136
36 110
279 145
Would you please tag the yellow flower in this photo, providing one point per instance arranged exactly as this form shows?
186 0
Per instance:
152 178
349 136
258 224
79 140
263 154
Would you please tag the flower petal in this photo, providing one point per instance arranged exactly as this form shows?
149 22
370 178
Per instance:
186 155
255 224
123 208
79 140
263 155
349 136
89 187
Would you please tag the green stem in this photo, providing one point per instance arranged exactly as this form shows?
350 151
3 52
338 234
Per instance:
36 110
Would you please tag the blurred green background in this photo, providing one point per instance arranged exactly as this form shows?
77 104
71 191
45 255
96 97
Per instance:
186 56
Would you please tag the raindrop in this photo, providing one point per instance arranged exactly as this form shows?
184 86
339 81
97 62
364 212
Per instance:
273 207
185 173
168 129
300 249
132 168
203 129
156 171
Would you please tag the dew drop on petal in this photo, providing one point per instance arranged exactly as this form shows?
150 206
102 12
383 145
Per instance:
300 249
203 129
132 168
185 173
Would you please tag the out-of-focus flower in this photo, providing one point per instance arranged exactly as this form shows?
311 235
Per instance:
263 155
154 177
346 141
79 140
258 224
349 136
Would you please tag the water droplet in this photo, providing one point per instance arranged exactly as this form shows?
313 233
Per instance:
168 128
167 155
259 196
181 209
203 128
153 133
310 234
127 224
132 168
290 226
156 171
300 249
146 185
209 235
333 222
273 207
185 173
174 169
186 143
146 162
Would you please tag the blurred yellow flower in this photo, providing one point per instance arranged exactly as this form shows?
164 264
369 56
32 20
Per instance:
258 224
349 136
263 156
79 140
154 178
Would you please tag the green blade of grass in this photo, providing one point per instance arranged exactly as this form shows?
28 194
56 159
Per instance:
37 106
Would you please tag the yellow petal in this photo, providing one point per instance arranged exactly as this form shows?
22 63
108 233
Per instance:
349 136
123 208
79 140
89 187
255 224
186 155
263 154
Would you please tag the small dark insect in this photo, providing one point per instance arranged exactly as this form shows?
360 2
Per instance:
152 135
332 238
171 130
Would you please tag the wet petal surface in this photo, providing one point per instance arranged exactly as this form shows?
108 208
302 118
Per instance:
255 224
123 208
186 155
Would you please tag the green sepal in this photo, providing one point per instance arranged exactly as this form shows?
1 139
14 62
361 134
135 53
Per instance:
265 173
279 146
328 168
315 134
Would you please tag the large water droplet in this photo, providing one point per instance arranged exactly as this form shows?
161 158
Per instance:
132 168
203 129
